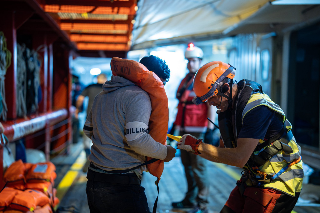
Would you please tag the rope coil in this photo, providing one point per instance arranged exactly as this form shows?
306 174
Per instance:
5 62
21 82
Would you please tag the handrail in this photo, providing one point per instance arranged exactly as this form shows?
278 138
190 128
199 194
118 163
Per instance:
24 126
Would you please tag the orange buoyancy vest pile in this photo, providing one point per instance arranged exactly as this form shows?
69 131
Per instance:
151 83
6 197
29 187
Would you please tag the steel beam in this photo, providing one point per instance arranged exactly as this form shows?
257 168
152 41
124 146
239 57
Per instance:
100 42
96 21
107 54
100 34
91 3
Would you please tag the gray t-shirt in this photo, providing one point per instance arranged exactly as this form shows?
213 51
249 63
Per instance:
117 125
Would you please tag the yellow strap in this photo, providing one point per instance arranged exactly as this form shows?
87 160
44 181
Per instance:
176 138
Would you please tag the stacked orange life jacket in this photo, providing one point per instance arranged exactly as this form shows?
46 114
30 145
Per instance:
29 188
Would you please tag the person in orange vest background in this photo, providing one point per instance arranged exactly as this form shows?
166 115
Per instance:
192 119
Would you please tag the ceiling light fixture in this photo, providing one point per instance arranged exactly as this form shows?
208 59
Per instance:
95 71
295 2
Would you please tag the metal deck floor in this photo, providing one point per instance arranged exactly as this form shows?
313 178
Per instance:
172 185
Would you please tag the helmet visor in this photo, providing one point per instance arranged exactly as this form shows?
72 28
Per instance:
213 90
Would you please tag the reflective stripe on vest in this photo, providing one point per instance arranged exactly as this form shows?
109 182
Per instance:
290 181
259 99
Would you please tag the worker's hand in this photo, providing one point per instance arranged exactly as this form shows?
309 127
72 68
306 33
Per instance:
76 113
189 143
171 152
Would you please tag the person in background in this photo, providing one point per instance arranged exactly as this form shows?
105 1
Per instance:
256 136
192 119
119 151
90 91
76 91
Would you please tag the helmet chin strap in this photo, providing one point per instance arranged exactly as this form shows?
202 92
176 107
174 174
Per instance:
230 95
227 97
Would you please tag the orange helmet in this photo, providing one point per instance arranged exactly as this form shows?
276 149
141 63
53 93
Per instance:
208 78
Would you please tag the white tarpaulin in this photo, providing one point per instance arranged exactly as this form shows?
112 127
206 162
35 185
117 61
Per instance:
170 20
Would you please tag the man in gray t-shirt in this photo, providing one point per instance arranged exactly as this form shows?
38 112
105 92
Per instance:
118 124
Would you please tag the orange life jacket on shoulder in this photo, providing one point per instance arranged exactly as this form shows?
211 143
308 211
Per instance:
151 83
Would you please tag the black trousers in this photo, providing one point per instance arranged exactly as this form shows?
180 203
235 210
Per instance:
119 193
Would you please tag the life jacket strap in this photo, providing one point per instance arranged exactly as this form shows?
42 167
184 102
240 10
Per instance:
259 177
266 153
94 168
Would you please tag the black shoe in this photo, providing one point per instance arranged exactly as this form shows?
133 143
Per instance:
182 205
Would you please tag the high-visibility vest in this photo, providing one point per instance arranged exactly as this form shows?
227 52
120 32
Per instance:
290 180
279 160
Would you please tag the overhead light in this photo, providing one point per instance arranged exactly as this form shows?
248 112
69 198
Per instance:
133 21
95 71
136 8
295 2
80 69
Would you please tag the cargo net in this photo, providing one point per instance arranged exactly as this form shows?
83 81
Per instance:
21 82
28 80
5 61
